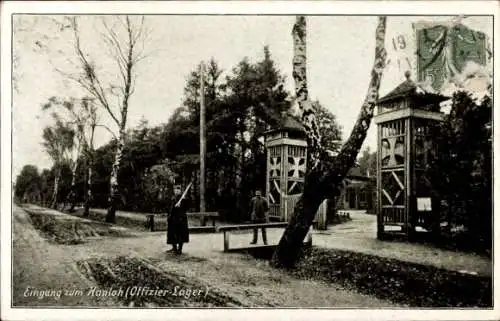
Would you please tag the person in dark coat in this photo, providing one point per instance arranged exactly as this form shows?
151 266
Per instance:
177 223
259 214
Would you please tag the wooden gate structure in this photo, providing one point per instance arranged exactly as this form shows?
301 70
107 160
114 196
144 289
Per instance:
404 193
286 165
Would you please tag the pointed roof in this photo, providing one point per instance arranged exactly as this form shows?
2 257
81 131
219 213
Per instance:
290 123
409 88
404 89
286 122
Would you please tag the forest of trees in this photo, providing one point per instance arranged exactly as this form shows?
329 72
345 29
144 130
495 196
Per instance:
240 106
154 155
462 174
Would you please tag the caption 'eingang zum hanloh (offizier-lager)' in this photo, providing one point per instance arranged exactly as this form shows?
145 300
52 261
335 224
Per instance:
128 292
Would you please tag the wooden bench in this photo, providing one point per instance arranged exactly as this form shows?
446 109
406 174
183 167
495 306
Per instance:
226 229
204 216
150 222
344 214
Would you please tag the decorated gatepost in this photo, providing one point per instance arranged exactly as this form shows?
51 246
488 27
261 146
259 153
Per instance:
405 199
441 54
286 166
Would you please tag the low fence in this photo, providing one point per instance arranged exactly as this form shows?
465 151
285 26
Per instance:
291 202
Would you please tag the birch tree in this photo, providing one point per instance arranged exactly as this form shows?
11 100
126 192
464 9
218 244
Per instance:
58 141
124 39
81 116
89 152
325 172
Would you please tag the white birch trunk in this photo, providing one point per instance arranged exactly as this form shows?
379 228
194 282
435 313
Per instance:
325 175
113 181
88 197
56 190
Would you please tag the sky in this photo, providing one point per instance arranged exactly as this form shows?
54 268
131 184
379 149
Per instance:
340 51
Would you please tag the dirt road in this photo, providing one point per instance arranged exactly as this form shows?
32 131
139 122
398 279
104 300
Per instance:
38 265
236 278
357 235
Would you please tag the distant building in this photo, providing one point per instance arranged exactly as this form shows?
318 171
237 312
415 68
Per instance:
359 192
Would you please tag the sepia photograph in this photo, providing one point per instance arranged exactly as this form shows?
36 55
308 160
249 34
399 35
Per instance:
269 160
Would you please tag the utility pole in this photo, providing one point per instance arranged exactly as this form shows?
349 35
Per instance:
202 138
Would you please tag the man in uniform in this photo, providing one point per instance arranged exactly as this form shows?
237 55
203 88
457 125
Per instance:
177 223
259 214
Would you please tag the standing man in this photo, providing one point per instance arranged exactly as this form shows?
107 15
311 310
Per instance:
177 223
259 214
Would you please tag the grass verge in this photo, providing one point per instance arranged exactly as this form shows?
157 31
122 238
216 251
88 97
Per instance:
138 283
64 231
401 282
139 224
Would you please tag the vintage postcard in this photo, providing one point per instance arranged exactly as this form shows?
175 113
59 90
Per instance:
237 160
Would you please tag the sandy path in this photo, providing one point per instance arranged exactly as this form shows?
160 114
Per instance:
43 265
248 280
359 235
39 265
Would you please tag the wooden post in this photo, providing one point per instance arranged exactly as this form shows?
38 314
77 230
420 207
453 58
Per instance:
202 138
226 241
408 226
151 222
380 219
321 216
309 237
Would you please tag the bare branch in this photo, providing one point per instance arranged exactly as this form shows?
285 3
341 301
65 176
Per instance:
93 86
139 31
89 88
118 99
107 128
132 85
112 38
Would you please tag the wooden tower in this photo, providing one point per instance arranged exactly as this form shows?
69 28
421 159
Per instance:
286 166
405 199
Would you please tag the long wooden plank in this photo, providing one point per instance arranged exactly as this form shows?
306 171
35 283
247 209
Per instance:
207 214
210 214
250 226
307 242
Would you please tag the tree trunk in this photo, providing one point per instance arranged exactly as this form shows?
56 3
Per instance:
88 192
56 190
241 214
113 182
72 191
324 174
90 163
127 91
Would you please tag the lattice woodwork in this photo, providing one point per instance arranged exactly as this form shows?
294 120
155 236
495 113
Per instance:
393 151
274 195
393 188
274 166
425 150
286 171
295 187
296 167
393 144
